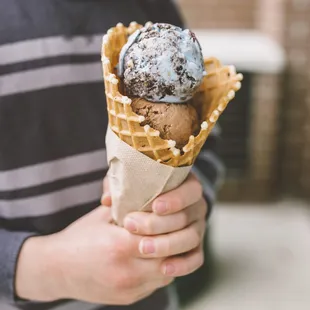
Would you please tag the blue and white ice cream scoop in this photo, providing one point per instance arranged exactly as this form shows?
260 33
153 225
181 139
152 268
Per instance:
162 63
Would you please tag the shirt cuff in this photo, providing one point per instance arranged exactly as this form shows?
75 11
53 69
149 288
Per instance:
11 244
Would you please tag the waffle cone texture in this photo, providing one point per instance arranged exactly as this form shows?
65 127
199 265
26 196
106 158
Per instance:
216 91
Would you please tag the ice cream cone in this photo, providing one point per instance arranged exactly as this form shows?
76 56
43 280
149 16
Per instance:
135 179
217 90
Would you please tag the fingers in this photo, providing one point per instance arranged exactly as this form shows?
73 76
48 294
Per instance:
179 266
106 197
148 224
174 243
176 200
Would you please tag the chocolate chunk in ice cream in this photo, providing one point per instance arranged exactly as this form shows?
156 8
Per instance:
174 121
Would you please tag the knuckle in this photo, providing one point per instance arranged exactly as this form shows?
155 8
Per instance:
165 247
176 203
149 226
196 237
184 218
118 249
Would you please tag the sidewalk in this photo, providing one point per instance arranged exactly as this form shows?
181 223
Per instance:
263 258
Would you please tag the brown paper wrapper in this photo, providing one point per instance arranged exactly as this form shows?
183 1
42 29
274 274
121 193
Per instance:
136 180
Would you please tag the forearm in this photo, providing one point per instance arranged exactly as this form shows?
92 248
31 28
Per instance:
38 271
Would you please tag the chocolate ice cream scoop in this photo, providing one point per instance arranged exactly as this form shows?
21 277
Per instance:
162 63
174 121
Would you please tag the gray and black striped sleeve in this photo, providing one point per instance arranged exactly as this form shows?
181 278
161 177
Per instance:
209 168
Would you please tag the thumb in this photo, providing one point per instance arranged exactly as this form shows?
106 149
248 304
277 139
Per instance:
101 213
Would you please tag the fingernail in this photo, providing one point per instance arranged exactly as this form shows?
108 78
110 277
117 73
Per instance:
131 225
147 247
160 207
169 269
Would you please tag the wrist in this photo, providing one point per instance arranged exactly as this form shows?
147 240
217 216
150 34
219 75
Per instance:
39 271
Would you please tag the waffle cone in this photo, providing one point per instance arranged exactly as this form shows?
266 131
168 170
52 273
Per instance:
217 90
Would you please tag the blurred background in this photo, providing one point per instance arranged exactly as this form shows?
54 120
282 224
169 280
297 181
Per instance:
258 241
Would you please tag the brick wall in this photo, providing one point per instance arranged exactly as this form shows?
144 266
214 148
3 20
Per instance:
296 108
264 127
219 13
260 181
270 18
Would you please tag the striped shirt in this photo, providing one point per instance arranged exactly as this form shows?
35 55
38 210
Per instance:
53 121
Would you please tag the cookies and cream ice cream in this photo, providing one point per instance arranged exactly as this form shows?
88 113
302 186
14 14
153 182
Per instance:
162 63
